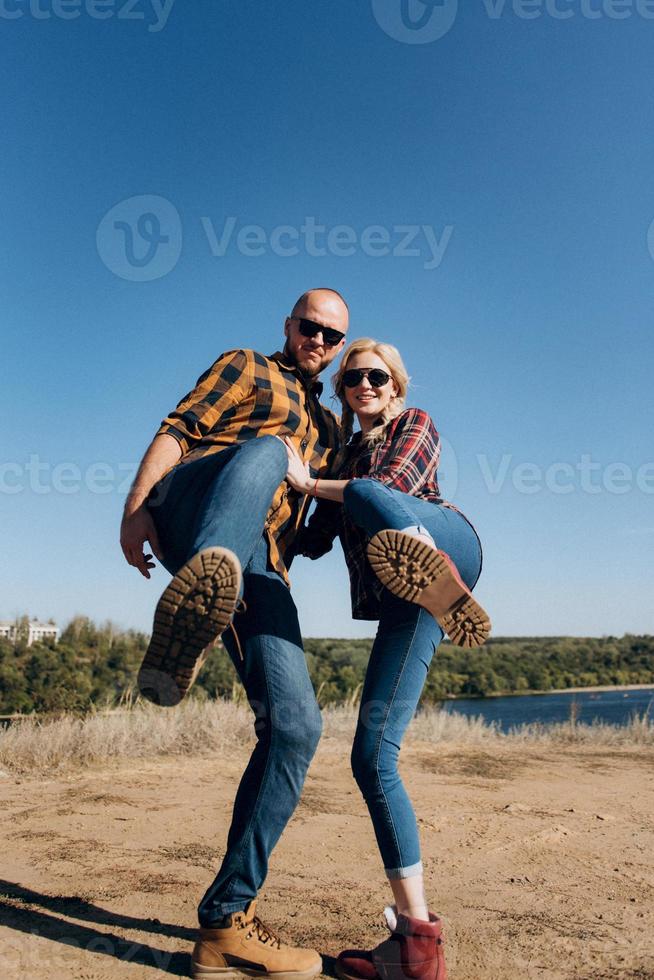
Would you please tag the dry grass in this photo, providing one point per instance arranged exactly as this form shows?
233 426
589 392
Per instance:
199 728
140 732
638 731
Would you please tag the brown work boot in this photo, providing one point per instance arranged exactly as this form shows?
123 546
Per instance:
193 611
246 947
413 951
418 572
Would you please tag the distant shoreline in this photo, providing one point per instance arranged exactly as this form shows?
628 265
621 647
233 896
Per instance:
556 690
605 687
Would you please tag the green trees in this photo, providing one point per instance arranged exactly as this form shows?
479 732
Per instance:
95 666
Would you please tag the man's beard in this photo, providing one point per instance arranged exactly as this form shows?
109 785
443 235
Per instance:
306 370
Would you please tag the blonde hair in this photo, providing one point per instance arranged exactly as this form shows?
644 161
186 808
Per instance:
391 357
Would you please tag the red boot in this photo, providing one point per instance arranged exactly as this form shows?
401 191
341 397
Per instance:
414 950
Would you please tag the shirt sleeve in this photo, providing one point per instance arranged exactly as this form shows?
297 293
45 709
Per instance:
411 458
225 384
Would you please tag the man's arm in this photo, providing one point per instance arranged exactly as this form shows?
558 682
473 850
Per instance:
227 382
221 387
137 525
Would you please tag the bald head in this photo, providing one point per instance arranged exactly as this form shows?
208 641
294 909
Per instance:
328 300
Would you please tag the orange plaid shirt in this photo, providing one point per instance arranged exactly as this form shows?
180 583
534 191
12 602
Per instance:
244 395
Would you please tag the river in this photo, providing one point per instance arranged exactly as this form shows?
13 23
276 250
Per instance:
613 707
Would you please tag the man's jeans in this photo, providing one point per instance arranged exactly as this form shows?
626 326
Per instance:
406 641
223 499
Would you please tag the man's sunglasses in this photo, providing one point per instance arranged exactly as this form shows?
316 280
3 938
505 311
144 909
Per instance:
309 328
375 376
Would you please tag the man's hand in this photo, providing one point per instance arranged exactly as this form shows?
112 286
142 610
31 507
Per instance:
136 528
137 525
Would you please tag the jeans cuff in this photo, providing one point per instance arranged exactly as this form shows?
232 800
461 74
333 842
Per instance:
410 872
225 908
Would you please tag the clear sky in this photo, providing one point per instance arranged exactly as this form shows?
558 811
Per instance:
477 182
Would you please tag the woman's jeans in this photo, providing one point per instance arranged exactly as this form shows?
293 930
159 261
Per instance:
223 499
406 640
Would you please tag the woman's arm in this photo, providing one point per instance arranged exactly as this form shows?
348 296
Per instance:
316 538
300 478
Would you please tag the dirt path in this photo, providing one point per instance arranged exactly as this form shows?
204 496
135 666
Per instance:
538 860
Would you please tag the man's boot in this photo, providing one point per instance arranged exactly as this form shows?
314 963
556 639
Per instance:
413 951
193 611
243 945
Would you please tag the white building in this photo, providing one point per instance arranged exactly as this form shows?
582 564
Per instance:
36 631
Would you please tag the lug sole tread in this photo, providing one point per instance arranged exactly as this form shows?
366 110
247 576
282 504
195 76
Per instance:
193 611
412 570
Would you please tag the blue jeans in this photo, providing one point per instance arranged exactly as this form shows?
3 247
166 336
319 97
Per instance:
406 641
223 499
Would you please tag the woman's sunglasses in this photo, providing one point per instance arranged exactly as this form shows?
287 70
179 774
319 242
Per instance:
375 376
309 328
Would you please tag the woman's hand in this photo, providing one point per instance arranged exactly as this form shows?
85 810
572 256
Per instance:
298 474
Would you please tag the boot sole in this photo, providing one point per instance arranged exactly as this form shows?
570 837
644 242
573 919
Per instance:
233 973
412 570
193 611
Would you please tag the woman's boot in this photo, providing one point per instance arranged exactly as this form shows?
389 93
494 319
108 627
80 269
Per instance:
417 572
413 951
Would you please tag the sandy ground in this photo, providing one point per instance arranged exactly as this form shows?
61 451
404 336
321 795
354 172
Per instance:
539 861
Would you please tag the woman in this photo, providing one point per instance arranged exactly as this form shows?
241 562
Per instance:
413 560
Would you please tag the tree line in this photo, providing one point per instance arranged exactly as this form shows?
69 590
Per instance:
95 667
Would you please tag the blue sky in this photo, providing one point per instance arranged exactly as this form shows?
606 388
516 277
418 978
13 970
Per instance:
511 158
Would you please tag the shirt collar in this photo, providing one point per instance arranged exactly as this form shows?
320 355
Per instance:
313 387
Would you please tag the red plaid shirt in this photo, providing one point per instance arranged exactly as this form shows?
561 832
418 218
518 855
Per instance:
406 460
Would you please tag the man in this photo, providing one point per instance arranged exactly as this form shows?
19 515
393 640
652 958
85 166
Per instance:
211 499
